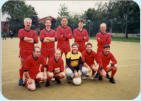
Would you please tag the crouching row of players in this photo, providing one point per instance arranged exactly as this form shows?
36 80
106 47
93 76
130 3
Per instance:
77 66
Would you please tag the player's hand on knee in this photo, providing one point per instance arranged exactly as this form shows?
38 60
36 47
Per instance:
57 70
30 81
79 73
75 74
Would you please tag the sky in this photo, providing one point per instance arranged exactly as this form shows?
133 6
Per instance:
51 8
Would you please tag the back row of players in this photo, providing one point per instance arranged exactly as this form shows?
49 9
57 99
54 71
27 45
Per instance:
47 63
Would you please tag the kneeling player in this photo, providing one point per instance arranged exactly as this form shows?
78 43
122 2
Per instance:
74 63
89 56
106 56
55 68
32 69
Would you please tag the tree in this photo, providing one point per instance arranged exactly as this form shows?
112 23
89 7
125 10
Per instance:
17 11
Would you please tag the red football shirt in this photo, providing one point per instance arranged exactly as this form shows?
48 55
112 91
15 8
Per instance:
31 34
32 65
89 58
63 36
79 38
52 64
105 59
102 39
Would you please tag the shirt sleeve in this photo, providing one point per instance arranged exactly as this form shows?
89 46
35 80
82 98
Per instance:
113 59
76 36
20 34
35 38
58 34
108 40
99 40
69 35
42 36
86 36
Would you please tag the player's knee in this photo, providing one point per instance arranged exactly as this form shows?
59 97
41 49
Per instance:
84 70
50 74
114 68
103 73
69 72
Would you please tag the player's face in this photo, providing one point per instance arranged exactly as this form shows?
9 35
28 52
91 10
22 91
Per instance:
106 51
103 29
75 49
48 23
57 55
64 22
80 24
27 24
89 48
37 52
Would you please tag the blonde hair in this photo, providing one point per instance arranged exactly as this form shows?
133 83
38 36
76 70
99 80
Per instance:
57 50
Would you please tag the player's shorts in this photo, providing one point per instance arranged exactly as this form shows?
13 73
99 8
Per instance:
48 53
25 53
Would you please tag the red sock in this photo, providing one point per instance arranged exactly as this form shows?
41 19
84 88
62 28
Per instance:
49 78
21 71
113 73
59 77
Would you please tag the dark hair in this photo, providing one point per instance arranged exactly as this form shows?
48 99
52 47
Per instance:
81 20
35 48
89 44
106 46
74 44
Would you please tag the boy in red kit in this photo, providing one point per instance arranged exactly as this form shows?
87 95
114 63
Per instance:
106 56
27 38
64 33
47 37
81 36
103 38
32 72
89 57
55 68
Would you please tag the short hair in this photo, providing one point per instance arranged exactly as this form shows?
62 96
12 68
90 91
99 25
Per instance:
26 19
48 19
106 46
64 17
89 44
103 24
74 44
81 20
35 48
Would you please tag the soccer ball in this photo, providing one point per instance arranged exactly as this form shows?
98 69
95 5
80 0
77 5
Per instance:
77 81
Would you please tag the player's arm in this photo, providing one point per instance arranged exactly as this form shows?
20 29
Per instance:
108 40
99 40
69 34
76 36
59 35
86 37
68 61
62 66
113 59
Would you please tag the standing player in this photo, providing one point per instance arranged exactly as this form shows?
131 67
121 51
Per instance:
89 57
81 36
27 38
64 33
55 68
74 63
106 56
103 38
32 69
47 37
